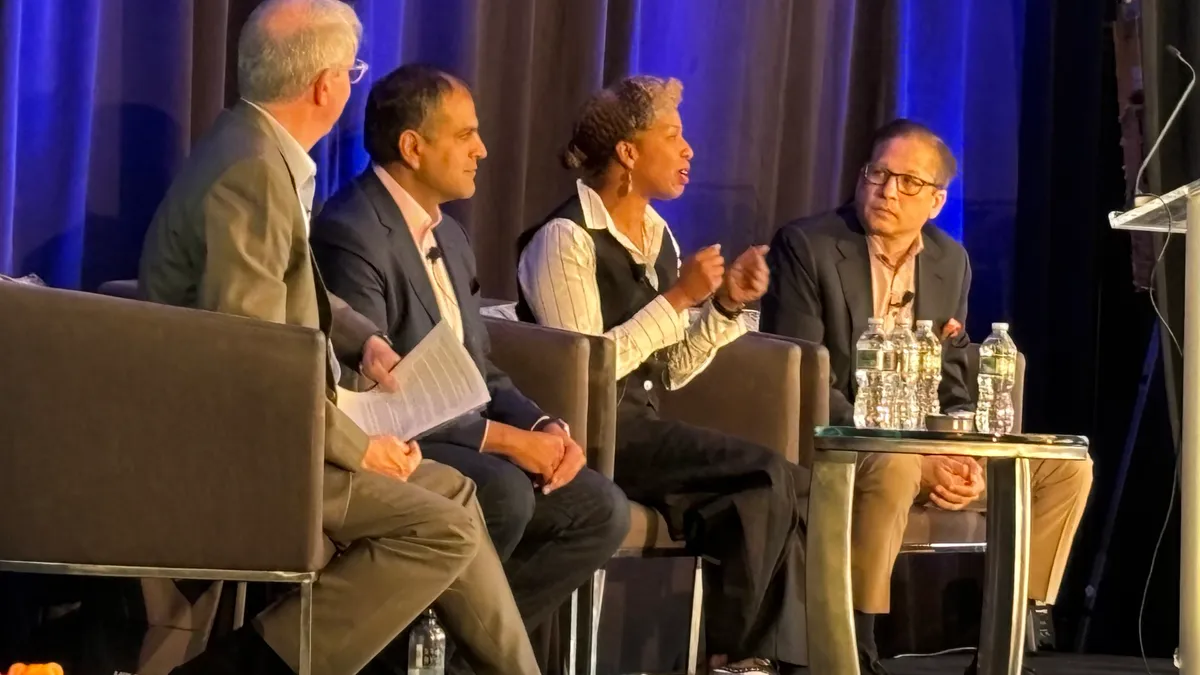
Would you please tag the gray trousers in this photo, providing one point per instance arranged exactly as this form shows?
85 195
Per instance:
406 546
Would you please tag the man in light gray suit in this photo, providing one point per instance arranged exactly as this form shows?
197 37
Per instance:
232 236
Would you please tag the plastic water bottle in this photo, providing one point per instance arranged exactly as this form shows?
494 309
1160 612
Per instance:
905 412
994 411
1176 660
929 369
875 362
427 647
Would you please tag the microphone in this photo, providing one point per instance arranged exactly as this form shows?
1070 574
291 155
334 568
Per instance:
434 254
639 274
1170 120
904 300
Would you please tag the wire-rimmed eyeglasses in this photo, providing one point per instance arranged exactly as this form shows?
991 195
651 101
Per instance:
357 71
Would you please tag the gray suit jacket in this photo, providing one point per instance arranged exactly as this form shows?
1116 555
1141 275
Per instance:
821 292
230 236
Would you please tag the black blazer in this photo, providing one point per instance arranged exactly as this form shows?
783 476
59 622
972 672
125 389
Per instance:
367 256
821 292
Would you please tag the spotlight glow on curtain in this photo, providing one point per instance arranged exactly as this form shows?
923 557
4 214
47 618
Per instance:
959 72
47 68
99 102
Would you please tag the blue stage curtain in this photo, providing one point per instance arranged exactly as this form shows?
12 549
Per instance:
98 103
100 100
959 71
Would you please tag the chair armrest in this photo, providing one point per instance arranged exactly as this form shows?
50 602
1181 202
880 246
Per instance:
141 434
602 405
750 390
123 288
814 393
570 375
549 366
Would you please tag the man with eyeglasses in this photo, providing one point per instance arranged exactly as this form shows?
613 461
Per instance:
883 256
231 236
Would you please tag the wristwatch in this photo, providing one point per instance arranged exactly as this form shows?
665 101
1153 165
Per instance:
732 315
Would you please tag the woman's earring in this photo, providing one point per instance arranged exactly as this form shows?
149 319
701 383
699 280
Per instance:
626 183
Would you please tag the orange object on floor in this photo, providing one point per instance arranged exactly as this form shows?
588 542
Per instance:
36 669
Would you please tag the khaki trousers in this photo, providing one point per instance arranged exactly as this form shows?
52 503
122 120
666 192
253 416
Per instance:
406 546
886 486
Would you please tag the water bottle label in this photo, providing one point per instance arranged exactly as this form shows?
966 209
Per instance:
868 360
889 361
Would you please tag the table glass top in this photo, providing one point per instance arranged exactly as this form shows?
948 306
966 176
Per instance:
1056 440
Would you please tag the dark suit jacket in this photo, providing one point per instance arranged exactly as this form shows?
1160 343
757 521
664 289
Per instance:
821 292
367 255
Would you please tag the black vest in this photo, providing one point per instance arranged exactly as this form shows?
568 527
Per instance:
624 291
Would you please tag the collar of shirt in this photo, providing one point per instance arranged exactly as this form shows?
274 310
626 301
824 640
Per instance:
302 166
420 223
875 246
596 217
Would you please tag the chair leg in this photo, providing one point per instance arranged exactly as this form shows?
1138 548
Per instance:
573 635
693 659
239 606
306 627
597 603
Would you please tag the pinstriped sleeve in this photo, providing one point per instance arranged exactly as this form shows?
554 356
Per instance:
557 273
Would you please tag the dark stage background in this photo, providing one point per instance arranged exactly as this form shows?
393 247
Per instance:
101 99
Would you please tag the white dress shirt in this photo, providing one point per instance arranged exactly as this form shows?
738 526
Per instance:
300 163
422 225
557 273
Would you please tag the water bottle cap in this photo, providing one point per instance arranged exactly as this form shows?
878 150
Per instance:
925 323
999 326
874 321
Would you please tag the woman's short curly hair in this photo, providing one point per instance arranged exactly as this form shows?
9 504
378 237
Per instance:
617 113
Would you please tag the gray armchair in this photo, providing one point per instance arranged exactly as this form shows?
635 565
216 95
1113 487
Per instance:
559 370
126 443
752 389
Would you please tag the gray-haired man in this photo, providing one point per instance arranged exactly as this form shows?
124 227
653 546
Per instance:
232 236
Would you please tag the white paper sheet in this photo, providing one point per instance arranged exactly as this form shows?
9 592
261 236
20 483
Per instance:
436 382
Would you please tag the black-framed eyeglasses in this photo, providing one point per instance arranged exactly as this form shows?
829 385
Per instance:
907 184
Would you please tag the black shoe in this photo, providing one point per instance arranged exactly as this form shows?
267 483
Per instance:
869 664
758 667
242 652
973 669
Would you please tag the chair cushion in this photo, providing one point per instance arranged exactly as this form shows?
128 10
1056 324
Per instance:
648 530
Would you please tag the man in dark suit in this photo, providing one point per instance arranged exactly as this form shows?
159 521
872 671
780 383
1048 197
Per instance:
231 236
882 256
384 245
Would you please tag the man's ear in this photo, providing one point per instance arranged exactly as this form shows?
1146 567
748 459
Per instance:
939 202
321 88
409 144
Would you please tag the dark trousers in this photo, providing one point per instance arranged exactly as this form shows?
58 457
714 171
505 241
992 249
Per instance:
549 544
733 501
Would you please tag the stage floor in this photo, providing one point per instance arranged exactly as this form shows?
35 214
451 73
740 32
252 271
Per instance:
1045 664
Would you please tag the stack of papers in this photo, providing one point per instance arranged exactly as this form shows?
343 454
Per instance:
437 382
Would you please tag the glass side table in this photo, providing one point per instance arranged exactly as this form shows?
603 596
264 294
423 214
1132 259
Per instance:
831 642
